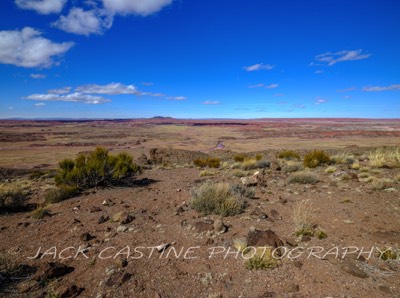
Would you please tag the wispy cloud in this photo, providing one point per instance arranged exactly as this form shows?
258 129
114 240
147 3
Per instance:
210 102
347 97
16 48
39 104
278 94
79 21
299 106
63 90
341 56
257 86
138 7
178 98
258 66
109 89
319 71
381 88
42 6
37 76
320 100
347 89
73 97
271 86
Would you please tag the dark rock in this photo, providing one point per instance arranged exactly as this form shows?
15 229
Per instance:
275 215
120 262
86 237
385 289
94 209
350 266
102 219
220 227
28 286
268 295
71 292
263 238
201 227
52 270
117 279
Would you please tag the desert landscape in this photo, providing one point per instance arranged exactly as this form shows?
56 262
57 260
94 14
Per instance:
205 208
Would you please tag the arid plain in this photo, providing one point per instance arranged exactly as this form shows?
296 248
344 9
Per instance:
331 225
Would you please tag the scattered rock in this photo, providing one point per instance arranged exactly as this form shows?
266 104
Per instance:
350 266
268 295
275 215
248 181
117 279
94 209
204 226
122 229
162 247
102 219
71 291
107 202
86 237
27 286
220 227
120 262
292 288
385 289
122 217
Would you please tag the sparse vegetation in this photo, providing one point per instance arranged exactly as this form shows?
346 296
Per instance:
242 191
39 213
292 166
330 169
389 254
355 166
289 155
316 158
217 198
379 184
304 177
63 192
240 173
12 200
342 157
205 173
303 218
262 259
321 234
210 162
96 168
240 157
385 157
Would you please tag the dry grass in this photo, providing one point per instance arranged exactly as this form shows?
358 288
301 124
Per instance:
379 184
385 157
262 259
304 177
330 169
356 166
292 166
343 157
304 218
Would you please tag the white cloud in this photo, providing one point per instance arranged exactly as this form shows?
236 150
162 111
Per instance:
179 98
381 88
73 97
258 66
319 100
110 89
42 6
318 71
345 55
82 22
63 90
40 104
37 76
256 86
272 86
210 102
138 7
27 48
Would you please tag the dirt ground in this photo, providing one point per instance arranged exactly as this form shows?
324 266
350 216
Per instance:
145 240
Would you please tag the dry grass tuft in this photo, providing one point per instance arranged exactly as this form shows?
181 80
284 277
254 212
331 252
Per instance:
304 177
385 157
304 218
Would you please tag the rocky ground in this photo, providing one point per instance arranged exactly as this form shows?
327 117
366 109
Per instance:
145 240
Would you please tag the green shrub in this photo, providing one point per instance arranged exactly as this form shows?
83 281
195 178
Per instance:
12 201
316 158
216 198
258 157
303 178
288 155
389 254
211 162
262 259
96 168
321 234
63 192
240 157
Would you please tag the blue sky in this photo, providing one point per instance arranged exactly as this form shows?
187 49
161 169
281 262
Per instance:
199 59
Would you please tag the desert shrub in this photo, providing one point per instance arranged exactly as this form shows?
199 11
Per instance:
379 184
342 157
258 157
240 244
216 198
240 173
36 175
205 173
355 166
303 218
240 190
261 258
389 254
63 192
12 200
289 155
330 170
249 164
363 175
292 166
96 168
39 213
211 162
385 157
316 158
240 157
304 177
262 164
398 177
321 234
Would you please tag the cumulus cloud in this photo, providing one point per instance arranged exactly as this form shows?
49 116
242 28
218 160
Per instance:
341 56
63 90
138 7
110 89
42 6
39 104
178 98
210 102
258 66
37 76
73 97
381 88
79 21
26 48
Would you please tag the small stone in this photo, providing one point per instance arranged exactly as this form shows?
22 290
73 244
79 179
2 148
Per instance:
120 262
248 181
348 221
122 217
220 227
102 219
86 237
275 215
94 209
162 247
52 270
292 288
122 229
